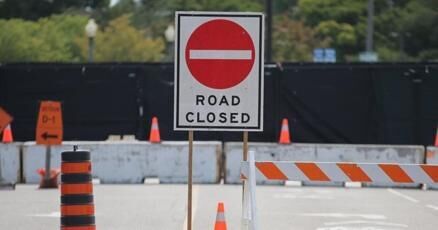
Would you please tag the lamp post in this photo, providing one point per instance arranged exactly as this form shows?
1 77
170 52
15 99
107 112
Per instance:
370 27
169 35
90 30
369 55
268 47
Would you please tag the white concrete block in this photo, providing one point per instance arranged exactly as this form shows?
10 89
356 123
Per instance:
432 155
10 162
132 162
372 154
432 158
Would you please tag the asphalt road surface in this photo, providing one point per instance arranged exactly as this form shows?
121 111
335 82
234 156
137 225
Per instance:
163 207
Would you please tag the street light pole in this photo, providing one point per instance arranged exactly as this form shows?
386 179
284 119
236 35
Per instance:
370 27
268 30
169 35
90 49
90 30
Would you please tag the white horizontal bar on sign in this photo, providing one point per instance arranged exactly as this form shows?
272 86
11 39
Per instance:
221 54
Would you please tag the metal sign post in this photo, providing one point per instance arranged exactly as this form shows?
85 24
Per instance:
48 156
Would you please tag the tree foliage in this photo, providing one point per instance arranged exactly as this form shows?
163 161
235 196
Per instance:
48 39
155 16
405 30
120 41
314 12
294 41
222 5
35 9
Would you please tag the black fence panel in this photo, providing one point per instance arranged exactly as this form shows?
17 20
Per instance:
325 103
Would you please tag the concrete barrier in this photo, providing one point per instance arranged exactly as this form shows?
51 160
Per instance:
132 162
10 162
432 158
264 152
321 153
372 154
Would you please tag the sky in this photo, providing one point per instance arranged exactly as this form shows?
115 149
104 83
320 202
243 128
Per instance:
113 2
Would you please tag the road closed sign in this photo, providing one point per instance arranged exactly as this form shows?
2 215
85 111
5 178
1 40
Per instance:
49 125
219 71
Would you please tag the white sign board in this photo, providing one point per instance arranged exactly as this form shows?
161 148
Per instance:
219 71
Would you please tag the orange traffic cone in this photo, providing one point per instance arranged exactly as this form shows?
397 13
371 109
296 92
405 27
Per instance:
154 136
220 224
436 137
284 133
7 135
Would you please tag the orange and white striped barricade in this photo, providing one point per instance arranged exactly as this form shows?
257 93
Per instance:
334 172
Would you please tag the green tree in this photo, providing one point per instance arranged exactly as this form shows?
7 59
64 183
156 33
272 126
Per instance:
314 12
221 5
294 41
35 9
407 31
282 6
48 39
15 41
404 30
340 36
419 30
120 41
154 16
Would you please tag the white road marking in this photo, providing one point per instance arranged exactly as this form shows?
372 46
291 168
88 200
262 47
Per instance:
221 54
402 195
348 222
345 215
310 197
432 207
52 214
195 189
290 190
348 228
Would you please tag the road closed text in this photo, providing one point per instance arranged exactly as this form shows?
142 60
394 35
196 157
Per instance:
206 116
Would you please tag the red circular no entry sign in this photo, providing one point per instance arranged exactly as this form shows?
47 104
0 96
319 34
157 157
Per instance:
220 54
